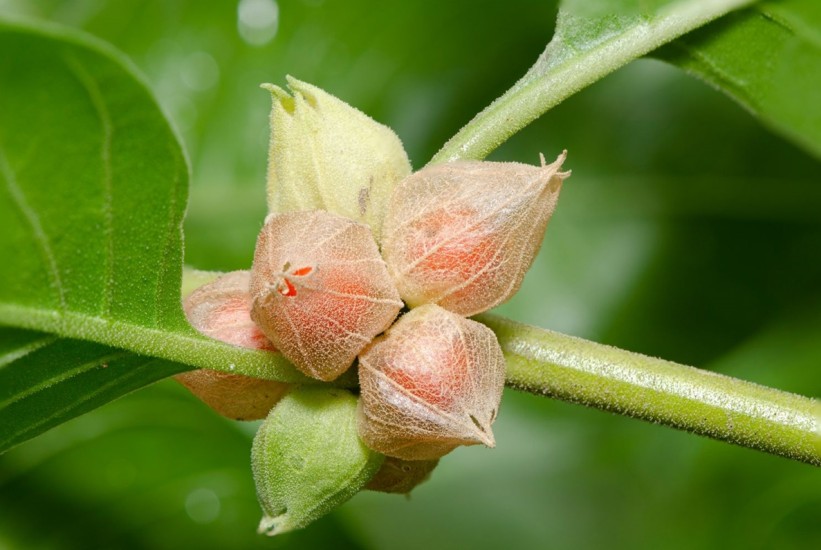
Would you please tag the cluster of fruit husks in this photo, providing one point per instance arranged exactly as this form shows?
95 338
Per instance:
328 292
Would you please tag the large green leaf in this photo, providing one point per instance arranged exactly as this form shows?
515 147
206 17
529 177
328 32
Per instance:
93 188
768 58
93 197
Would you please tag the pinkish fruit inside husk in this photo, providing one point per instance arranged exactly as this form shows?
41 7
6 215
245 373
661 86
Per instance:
401 476
222 310
463 234
320 289
432 382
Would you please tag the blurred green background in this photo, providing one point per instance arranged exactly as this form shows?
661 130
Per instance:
688 231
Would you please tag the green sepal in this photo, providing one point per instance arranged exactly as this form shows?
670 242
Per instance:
307 458
326 155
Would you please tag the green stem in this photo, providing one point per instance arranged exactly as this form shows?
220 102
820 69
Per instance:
187 348
698 401
547 84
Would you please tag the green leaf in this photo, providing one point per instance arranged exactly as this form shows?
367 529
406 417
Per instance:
592 39
768 58
46 380
93 194
93 187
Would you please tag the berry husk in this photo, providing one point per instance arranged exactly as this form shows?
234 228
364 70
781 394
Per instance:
432 382
327 155
463 234
221 309
321 290
401 476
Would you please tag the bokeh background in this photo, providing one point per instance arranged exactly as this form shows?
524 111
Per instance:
688 231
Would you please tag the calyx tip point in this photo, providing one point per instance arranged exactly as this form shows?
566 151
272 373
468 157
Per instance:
300 88
487 439
272 526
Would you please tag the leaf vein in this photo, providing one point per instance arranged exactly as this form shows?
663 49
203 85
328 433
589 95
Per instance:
22 351
61 377
95 96
40 235
165 261
21 434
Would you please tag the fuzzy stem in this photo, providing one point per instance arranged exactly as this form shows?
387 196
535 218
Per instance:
543 88
694 400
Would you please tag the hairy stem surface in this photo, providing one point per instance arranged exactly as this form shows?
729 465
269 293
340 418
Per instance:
698 401
562 70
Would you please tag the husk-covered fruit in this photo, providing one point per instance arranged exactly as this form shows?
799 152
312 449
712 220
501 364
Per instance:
327 155
401 476
463 234
432 382
221 309
320 289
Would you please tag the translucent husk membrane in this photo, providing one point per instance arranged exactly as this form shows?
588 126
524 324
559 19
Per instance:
432 382
463 234
321 290
221 309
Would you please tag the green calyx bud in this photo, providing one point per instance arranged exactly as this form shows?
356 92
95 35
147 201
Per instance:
307 458
326 155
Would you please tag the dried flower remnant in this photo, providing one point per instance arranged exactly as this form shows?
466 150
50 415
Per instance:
401 476
320 289
307 458
327 155
431 383
222 310
463 234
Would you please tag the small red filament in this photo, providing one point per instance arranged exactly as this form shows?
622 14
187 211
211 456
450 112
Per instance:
288 289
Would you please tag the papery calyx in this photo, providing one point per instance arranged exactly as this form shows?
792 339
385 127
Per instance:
432 382
320 290
325 154
463 234
307 458
221 309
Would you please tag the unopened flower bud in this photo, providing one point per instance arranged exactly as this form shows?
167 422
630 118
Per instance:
401 476
222 310
432 382
327 155
307 458
320 289
463 234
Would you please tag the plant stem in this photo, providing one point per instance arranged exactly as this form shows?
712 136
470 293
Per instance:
698 401
546 85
